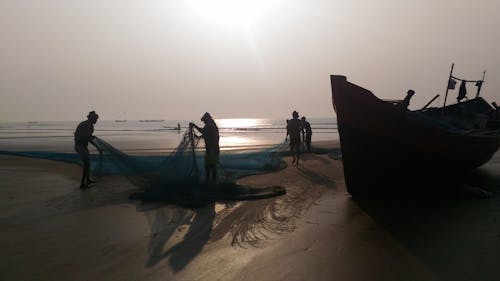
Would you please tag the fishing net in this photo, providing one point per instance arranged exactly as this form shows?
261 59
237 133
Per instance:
179 177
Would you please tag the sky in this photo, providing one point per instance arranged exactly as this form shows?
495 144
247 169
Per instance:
152 59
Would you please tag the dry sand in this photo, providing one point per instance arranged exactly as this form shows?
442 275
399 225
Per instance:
51 230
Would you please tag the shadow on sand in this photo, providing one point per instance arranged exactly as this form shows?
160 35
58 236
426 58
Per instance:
454 232
167 222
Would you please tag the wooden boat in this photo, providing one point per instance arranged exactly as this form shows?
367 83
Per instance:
387 147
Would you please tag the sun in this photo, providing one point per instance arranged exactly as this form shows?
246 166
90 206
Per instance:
233 13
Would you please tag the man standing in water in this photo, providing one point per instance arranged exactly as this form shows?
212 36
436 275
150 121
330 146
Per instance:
210 133
294 128
83 135
308 133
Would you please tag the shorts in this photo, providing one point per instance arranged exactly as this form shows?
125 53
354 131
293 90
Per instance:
82 151
211 159
294 141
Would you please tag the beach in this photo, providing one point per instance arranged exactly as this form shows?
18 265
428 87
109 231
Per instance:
159 140
51 230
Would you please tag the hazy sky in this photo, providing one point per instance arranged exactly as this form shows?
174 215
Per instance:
152 59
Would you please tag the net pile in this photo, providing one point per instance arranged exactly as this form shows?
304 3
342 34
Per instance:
179 176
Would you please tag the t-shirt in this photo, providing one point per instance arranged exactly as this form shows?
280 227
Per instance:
211 136
83 133
294 128
307 128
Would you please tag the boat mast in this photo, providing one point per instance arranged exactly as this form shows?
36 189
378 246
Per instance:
479 84
447 89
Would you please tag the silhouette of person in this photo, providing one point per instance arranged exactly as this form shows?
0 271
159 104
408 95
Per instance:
308 133
210 133
83 135
294 129
406 102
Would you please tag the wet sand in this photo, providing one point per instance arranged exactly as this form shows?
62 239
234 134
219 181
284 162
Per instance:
51 230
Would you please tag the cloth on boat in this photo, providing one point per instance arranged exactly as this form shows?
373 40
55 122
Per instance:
451 84
462 92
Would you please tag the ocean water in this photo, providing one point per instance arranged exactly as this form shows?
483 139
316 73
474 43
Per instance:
154 136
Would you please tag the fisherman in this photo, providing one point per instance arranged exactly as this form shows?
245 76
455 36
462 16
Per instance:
406 102
83 135
210 133
294 129
308 133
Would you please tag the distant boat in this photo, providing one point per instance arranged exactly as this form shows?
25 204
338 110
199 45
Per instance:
120 121
152 120
176 128
385 146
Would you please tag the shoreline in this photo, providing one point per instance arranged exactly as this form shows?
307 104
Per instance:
131 148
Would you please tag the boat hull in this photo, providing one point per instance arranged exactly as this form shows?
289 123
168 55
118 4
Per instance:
385 148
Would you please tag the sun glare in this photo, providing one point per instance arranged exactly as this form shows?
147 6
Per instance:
234 13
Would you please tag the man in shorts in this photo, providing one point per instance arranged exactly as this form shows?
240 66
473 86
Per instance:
306 133
294 129
83 136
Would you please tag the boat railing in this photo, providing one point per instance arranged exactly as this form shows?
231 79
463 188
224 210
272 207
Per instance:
395 102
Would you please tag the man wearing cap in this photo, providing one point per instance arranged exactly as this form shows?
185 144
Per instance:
294 128
210 133
83 135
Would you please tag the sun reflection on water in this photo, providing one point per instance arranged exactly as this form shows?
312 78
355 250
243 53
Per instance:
241 123
235 141
228 127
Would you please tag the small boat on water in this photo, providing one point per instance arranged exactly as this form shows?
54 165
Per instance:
152 120
385 146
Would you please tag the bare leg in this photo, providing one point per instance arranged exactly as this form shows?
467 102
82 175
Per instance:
298 155
89 181
88 173
85 174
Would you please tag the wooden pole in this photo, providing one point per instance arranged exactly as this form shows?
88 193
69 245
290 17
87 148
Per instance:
429 103
447 89
481 84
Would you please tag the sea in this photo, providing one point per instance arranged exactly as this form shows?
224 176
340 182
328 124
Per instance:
154 136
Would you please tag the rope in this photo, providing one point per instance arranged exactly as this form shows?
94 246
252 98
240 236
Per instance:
467 81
